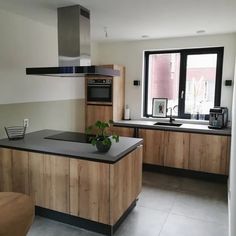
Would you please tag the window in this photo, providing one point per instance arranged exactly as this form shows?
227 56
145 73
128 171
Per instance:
189 78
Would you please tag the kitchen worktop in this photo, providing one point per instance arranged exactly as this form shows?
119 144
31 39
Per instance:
192 128
36 142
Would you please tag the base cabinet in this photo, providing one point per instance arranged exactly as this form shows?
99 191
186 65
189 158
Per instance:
209 153
200 152
153 148
123 131
176 149
95 191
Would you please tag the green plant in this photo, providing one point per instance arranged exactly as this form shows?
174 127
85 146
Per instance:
102 135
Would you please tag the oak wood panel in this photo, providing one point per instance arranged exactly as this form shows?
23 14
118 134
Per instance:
125 183
5 170
118 93
36 178
94 113
89 190
56 183
20 171
123 131
208 153
153 146
176 149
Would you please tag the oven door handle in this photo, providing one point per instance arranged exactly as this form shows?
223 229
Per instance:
101 86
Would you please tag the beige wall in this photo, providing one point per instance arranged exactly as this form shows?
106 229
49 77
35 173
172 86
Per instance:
48 102
60 115
130 54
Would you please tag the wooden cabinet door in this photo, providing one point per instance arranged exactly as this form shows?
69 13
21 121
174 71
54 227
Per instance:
20 171
176 149
96 112
49 181
5 170
89 190
123 131
209 153
153 146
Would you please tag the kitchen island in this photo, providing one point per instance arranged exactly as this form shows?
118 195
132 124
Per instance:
72 182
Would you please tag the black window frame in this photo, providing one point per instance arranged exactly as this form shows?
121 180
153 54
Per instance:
182 76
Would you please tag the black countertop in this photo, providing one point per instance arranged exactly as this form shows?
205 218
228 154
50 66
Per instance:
189 128
36 142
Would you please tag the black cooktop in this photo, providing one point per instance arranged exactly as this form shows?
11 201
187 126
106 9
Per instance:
72 137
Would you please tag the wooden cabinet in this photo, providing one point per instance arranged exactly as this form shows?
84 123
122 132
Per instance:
14 171
49 178
176 149
209 153
91 190
153 146
123 131
5 170
200 152
96 112
107 111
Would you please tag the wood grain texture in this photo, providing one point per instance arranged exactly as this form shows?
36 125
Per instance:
6 183
94 113
56 180
123 131
125 183
153 146
37 178
20 171
104 112
176 149
89 190
208 153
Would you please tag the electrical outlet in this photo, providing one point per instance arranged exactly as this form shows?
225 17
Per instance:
26 122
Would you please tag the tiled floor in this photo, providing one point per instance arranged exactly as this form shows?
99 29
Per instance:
167 206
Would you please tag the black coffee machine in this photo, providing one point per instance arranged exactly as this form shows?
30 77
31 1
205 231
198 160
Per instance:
218 118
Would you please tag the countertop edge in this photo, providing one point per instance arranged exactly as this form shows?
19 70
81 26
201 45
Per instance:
221 132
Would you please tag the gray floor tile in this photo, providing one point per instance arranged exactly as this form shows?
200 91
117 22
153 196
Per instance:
217 190
46 227
183 226
161 180
157 198
201 207
168 205
142 222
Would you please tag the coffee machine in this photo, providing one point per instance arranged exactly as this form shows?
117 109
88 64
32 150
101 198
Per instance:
218 118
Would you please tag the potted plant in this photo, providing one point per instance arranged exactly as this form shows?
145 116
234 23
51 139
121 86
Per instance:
102 140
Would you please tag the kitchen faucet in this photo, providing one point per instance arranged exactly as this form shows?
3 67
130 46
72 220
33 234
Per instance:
171 116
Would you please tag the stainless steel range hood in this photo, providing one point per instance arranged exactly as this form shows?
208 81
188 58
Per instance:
73 46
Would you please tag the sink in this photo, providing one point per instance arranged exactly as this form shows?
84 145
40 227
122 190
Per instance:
168 124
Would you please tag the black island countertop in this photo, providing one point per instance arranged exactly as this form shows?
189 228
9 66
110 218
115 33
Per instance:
36 142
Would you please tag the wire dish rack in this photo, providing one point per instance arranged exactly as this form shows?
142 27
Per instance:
15 132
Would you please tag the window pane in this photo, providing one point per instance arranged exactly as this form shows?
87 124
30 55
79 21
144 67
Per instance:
164 79
200 83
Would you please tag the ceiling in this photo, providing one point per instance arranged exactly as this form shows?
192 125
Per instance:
130 19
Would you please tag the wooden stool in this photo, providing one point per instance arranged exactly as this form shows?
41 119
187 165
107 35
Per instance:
16 214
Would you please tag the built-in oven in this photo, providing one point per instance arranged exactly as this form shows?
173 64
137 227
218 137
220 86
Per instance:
99 91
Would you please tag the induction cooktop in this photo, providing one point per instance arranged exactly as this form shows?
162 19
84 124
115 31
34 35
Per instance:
71 137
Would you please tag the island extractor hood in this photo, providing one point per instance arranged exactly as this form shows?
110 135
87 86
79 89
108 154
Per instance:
73 46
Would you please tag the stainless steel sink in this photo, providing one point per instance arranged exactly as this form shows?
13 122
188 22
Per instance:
168 124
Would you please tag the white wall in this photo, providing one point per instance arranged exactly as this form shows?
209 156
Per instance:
28 43
130 54
232 182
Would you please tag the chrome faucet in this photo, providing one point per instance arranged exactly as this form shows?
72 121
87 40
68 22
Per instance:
171 116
